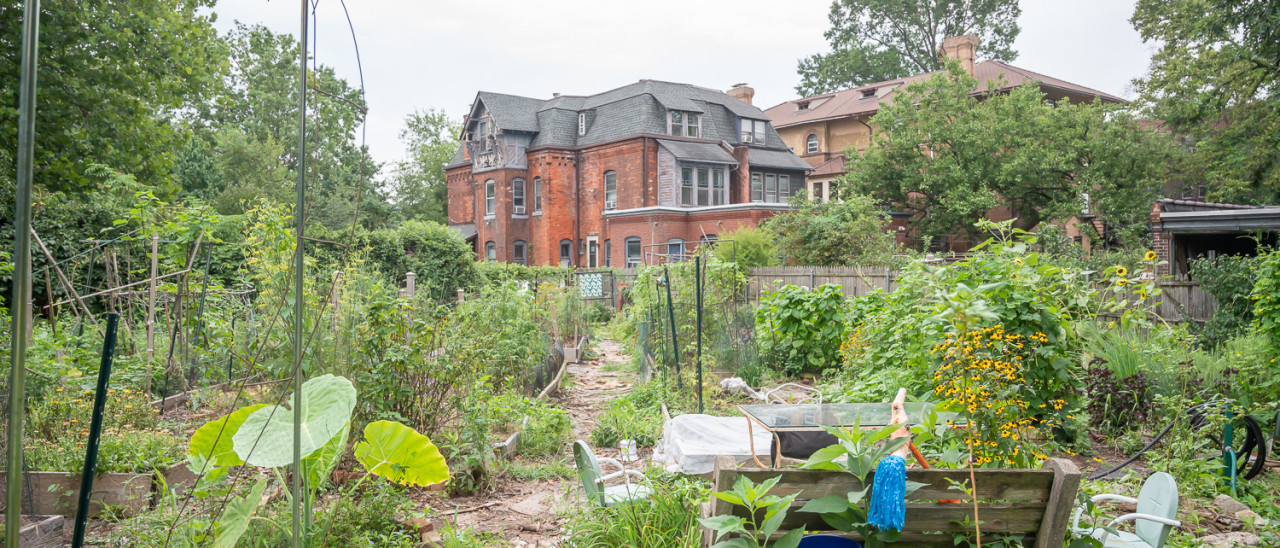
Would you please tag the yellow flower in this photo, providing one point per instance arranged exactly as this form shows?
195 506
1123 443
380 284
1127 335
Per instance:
1122 271
1150 256
1121 282
1142 293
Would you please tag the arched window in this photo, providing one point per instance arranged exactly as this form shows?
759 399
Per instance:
537 194
610 190
811 144
633 252
517 196
489 197
518 253
566 253
490 251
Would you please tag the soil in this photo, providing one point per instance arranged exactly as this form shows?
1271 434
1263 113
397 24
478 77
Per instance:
530 513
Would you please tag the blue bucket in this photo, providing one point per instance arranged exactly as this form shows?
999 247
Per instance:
827 541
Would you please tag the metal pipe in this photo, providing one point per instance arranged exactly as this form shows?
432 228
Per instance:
697 284
20 300
671 315
95 430
299 261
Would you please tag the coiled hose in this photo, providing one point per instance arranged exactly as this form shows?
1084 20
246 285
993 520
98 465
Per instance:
1252 455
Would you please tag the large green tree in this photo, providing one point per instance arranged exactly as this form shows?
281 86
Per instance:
949 157
848 232
419 185
877 40
111 75
1215 79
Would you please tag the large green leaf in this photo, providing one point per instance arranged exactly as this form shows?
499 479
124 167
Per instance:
400 454
318 465
235 518
213 440
327 402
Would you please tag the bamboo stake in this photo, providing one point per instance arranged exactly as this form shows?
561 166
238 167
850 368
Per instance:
62 277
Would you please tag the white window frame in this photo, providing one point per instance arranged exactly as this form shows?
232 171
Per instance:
757 187
520 253
703 185
811 144
490 198
753 131
611 189
537 194
490 251
678 256
517 196
582 123
784 188
566 259
639 257
770 188
688 197
686 125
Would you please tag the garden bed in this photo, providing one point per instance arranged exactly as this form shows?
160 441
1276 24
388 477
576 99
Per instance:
37 531
55 493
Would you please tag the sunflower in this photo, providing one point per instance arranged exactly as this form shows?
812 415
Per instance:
1121 282
1122 271
1150 256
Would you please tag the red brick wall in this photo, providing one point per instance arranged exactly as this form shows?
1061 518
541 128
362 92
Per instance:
659 227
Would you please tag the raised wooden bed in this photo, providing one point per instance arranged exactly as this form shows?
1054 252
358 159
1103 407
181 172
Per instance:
55 493
40 531
1035 503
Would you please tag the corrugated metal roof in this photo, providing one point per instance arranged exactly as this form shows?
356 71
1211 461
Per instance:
780 159
698 152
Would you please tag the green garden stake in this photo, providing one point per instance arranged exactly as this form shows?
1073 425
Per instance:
671 314
95 430
1228 454
697 284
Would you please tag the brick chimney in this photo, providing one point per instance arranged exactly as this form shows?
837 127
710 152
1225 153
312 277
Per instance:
742 92
962 48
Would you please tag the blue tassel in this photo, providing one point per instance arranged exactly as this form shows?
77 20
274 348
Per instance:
888 494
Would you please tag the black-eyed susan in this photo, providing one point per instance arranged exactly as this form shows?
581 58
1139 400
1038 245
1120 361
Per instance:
1150 256
1122 282
1122 271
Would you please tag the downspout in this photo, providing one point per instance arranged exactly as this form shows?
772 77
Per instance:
644 170
577 205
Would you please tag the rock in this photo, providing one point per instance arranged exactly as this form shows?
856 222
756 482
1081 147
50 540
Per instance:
532 506
1229 505
1230 540
1251 517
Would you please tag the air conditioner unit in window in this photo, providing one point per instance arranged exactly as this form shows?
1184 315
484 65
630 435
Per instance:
611 204
519 210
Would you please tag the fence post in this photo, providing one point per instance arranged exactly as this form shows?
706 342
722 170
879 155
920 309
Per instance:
888 279
462 296
810 279
408 284
151 312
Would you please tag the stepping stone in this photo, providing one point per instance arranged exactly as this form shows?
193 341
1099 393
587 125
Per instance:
532 506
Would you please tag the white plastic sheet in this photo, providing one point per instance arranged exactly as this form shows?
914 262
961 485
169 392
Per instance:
691 443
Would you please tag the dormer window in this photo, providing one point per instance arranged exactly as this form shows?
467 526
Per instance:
803 105
582 124
753 131
684 124
869 92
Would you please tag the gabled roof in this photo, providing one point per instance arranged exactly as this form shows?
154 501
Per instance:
511 112
866 100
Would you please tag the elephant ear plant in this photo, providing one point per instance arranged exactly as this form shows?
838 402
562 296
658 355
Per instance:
262 436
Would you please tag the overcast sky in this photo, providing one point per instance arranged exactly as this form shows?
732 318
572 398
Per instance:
437 54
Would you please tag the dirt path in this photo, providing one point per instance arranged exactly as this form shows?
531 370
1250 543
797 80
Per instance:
527 513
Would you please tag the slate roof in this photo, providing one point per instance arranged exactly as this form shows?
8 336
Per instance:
701 152
856 102
632 109
781 159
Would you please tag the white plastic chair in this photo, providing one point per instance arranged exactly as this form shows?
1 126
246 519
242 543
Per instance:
1157 506
593 479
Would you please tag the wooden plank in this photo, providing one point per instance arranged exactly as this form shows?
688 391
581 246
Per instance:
1062 497
992 484
725 474
45 533
911 540
55 492
935 516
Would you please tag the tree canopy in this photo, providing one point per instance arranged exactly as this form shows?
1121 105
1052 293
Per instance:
949 157
418 183
1215 79
848 232
877 40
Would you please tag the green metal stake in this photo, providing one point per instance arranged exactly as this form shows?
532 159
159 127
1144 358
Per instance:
95 430
20 300
697 284
299 258
1229 468
671 314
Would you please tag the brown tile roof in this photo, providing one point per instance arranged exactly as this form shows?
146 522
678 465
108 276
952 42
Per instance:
834 166
865 100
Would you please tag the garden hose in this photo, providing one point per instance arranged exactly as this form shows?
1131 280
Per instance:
1251 455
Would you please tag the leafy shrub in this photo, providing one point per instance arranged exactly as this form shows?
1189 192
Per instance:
748 247
441 259
1266 302
723 284
636 415
119 450
1117 401
802 329
1230 279
546 430
499 335
66 412
849 232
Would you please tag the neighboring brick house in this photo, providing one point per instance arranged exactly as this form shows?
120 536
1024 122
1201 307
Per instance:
823 127
610 179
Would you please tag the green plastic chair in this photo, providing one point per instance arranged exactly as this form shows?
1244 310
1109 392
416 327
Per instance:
593 479
1157 506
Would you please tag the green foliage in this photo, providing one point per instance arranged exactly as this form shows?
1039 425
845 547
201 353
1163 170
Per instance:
878 40
667 519
1010 149
722 285
265 438
498 335
1266 305
398 453
235 518
803 329
213 441
1213 79
753 532
748 247
442 261
418 183
635 416
119 450
848 232
1230 279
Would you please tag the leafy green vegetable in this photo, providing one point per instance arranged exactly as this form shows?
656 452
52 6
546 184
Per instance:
400 454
